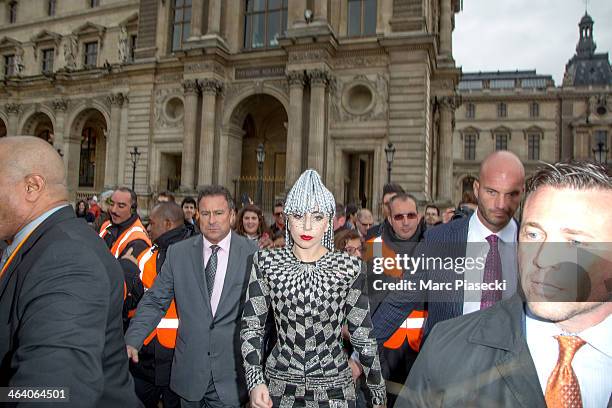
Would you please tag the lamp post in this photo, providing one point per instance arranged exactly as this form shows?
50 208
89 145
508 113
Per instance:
261 156
389 153
601 154
134 155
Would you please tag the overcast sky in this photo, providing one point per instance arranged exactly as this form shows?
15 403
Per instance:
493 35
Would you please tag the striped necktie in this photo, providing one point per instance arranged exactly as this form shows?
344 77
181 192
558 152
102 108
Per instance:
211 269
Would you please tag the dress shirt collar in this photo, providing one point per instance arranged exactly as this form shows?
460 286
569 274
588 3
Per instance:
224 244
597 336
478 232
31 226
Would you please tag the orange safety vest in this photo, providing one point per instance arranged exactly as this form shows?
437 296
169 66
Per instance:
168 325
411 329
135 232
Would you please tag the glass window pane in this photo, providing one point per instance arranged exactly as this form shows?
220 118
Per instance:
188 2
274 4
259 33
187 15
273 28
284 22
259 5
178 3
176 37
354 18
247 31
186 31
178 15
369 18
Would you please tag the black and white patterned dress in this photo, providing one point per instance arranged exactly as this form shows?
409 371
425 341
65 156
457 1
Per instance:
311 302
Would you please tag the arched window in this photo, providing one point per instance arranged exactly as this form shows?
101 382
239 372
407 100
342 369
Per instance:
87 167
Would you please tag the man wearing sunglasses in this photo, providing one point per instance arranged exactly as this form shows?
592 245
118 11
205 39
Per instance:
278 226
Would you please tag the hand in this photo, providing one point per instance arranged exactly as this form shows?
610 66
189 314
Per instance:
265 242
260 397
356 369
132 353
447 215
128 255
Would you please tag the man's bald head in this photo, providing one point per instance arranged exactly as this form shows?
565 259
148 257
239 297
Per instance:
32 181
164 217
499 189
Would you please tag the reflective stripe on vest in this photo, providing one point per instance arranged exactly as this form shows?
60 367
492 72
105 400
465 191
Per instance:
411 330
167 327
135 232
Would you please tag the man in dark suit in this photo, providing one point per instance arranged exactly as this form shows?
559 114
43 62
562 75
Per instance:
499 191
61 292
555 349
208 277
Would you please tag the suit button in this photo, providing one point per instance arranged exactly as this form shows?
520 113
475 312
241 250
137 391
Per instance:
212 326
208 353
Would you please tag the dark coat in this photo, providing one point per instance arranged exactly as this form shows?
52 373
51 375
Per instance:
477 360
60 316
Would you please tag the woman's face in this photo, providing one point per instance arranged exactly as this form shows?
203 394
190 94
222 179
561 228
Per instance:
307 230
81 206
353 247
250 221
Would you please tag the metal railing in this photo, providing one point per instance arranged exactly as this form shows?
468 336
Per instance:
273 188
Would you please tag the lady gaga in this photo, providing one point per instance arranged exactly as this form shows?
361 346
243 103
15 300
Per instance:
312 292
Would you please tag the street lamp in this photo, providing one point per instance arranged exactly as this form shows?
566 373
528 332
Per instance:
261 156
389 152
134 155
601 154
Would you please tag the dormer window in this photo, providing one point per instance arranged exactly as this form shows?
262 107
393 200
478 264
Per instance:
12 12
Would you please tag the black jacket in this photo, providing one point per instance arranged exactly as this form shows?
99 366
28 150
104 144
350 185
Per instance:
154 360
476 360
60 316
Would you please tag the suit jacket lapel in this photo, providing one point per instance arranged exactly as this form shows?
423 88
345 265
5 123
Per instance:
232 272
504 328
197 259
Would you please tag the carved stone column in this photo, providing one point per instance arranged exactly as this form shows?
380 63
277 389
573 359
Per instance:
112 141
446 29
447 109
59 132
319 79
296 81
191 90
13 110
210 89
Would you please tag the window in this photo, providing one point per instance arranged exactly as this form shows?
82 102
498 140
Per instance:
468 85
12 12
51 7
533 146
501 141
264 22
181 23
91 54
87 166
502 110
361 17
47 60
501 83
470 111
533 83
534 110
94 3
469 152
132 47
9 65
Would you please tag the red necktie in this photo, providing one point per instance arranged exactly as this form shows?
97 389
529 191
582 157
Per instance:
492 273
563 390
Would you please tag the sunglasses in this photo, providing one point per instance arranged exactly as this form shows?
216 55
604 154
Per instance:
278 214
401 217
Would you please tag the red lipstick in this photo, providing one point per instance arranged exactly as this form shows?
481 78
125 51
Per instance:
306 237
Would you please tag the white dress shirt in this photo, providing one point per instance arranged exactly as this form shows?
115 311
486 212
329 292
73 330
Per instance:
592 362
479 247
222 259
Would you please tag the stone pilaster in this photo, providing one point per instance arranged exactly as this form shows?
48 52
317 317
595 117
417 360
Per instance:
319 80
59 132
447 112
214 17
197 8
12 109
190 119
112 142
295 11
296 81
210 89
446 30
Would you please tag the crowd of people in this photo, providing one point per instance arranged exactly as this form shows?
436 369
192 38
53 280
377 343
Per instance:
204 304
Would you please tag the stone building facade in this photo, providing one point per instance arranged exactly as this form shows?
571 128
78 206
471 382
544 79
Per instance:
197 85
527 114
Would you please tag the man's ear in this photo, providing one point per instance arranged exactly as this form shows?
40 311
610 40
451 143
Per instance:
34 186
475 187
